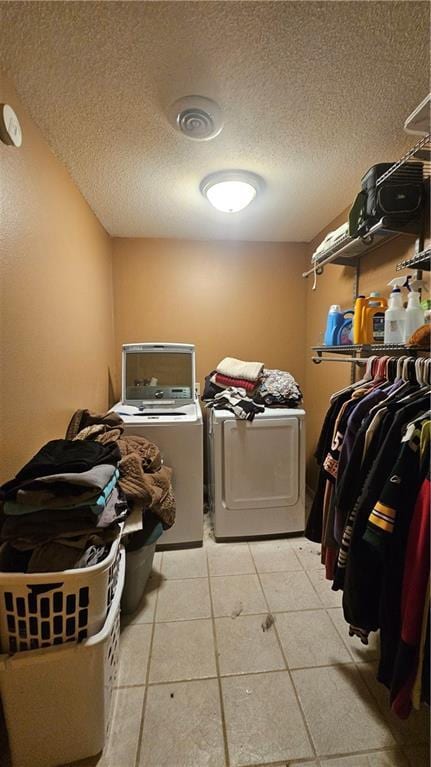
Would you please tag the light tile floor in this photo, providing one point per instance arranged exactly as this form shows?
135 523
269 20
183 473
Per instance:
201 684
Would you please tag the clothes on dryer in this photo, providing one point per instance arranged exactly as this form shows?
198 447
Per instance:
272 387
234 368
225 382
277 388
237 402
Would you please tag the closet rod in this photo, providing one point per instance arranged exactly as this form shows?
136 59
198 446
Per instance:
357 360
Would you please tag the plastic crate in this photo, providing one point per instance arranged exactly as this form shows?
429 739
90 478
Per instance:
38 610
57 701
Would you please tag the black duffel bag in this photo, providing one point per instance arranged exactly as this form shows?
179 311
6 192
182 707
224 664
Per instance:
399 200
399 196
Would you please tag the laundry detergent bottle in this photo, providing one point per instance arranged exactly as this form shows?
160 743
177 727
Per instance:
368 321
336 320
358 318
414 316
374 319
395 319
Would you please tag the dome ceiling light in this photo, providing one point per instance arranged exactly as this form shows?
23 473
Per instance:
231 191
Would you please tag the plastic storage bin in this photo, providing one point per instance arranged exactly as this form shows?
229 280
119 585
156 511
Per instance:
139 562
40 610
57 701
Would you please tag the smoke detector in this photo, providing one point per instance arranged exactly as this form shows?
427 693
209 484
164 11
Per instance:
196 117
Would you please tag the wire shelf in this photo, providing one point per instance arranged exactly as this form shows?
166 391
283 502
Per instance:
353 352
419 152
421 260
348 250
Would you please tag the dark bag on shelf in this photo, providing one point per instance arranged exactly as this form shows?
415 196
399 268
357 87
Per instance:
399 196
358 215
399 199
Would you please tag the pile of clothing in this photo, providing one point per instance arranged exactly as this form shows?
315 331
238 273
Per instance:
277 388
233 373
143 478
62 510
64 507
236 400
246 388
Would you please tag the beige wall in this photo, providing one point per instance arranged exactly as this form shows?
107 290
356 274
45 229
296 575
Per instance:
335 286
243 300
56 297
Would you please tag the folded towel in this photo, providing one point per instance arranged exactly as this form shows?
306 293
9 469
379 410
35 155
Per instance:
233 368
226 382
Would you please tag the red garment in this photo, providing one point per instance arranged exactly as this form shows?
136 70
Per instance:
237 382
415 581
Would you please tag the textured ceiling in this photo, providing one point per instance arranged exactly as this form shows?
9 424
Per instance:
313 93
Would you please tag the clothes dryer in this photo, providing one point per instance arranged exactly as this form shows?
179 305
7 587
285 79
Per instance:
257 473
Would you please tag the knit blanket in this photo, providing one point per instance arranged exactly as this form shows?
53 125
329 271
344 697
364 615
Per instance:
234 368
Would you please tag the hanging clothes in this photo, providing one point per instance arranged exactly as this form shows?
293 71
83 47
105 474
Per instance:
371 515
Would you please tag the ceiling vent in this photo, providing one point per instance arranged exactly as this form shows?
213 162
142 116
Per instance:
196 117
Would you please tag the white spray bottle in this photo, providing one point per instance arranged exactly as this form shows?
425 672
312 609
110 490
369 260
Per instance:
415 315
395 314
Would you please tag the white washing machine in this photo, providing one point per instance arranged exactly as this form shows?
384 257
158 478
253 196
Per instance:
257 473
159 402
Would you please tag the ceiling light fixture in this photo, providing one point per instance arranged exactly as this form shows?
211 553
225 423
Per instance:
231 191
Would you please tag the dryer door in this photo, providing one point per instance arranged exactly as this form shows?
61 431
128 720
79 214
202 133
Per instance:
260 463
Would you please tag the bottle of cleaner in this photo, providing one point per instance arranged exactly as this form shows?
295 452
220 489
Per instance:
415 315
395 319
336 319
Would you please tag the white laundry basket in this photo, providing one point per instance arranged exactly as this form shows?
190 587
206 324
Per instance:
43 609
57 700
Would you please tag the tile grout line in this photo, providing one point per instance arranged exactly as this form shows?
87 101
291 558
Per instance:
286 664
232 673
339 755
147 675
223 716
227 615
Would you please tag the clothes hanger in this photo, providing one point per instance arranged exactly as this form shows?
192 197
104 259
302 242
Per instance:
400 365
411 370
420 371
404 370
411 390
390 369
380 370
366 379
